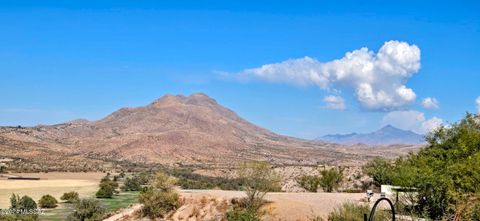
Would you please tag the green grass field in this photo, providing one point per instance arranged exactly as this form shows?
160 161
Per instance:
122 200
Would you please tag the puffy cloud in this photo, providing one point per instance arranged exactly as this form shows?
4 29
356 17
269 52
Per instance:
431 124
378 79
334 102
430 103
412 120
477 101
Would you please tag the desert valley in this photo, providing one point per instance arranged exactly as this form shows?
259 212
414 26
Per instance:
208 110
191 134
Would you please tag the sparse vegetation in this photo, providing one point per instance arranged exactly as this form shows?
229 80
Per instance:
189 180
310 183
23 203
87 209
159 199
47 201
107 188
242 214
105 191
158 203
3 168
331 179
132 184
70 197
257 179
355 212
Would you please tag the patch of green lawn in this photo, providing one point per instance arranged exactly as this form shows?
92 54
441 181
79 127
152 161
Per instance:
122 200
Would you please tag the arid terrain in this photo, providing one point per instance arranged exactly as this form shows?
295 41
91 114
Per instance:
171 130
53 183
210 204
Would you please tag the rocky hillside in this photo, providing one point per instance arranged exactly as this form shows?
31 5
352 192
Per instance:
172 129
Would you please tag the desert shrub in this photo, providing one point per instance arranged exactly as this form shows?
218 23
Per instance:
144 178
105 191
163 181
189 180
158 203
19 217
70 197
3 168
257 179
330 179
47 201
23 203
132 184
310 183
475 214
87 209
242 214
380 170
355 212
106 181
107 187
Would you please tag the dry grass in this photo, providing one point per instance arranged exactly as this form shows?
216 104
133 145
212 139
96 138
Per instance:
54 184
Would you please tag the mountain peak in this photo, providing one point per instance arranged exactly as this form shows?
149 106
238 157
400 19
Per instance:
384 136
195 98
389 127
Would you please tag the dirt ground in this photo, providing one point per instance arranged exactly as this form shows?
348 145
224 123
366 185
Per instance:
53 183
289 206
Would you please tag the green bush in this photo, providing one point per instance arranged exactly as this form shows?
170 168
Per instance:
446 173
87 209
25 203
355 212
475 215
189 180
105 191
310 183
19 217
242 214
164 182
158 203
380 170
330 179
70 197
132 184
47 201
106 181
257 179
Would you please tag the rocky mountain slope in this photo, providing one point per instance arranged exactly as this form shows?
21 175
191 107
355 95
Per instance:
172 129
387 135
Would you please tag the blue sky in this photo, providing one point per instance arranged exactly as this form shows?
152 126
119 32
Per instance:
85 59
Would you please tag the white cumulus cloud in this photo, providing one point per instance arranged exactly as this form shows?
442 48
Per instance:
430 103
477 101
412 120
334 102
378 79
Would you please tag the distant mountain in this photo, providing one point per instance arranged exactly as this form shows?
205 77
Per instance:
385 136
171 129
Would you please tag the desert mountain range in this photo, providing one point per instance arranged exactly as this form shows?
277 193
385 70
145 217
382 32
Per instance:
387 135
172 129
